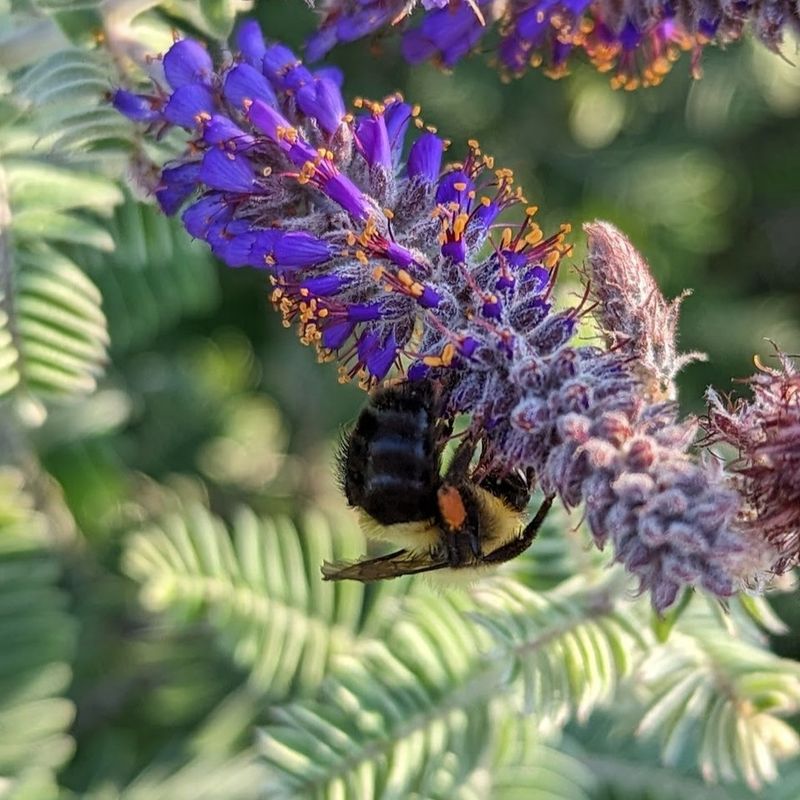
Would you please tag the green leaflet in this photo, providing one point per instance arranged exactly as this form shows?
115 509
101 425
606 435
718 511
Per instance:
259 589
38 638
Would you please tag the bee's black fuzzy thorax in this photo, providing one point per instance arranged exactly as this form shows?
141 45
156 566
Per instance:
389 464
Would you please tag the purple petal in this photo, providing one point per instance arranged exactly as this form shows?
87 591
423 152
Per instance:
425 158
298 249
177 183
335 335
429 298
263 250
269 121
284 68
381 357
400 255
457 251
189 106
250 42
236 251
397 116
364 312
220 129
344 192
454 187
373 140
232 242
135 106
322 100
226 171
186 62
244 83
324 285
486 214
355 26
417 371
330 73
320 43
448 33
207 211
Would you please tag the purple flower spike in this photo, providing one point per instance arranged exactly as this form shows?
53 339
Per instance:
322 199
386 265
635 42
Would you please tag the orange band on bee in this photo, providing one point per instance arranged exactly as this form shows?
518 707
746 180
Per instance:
451 507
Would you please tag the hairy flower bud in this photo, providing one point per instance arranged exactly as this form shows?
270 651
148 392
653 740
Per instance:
633 315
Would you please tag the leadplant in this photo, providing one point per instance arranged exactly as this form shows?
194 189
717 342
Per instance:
166 496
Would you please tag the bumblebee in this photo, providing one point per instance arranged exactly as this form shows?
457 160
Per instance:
390 469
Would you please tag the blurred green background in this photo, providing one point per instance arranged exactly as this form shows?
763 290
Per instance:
207 403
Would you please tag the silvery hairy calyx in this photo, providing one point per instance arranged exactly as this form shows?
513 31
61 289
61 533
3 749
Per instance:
385 250
635 42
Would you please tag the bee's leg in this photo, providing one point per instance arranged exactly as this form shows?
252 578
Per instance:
459 519
519 545
457 512
512 489
459 466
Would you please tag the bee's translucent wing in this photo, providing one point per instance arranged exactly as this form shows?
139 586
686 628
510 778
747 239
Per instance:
393 565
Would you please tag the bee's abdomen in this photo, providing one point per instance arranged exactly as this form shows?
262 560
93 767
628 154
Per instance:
391 463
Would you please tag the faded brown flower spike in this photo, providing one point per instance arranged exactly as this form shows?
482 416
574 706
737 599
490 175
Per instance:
766 433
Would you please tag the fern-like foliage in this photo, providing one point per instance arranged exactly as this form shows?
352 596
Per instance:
259 588
522 764
53 335
408 707
202 778
154 277
569 647
38 640
66 97
720 700
394 718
